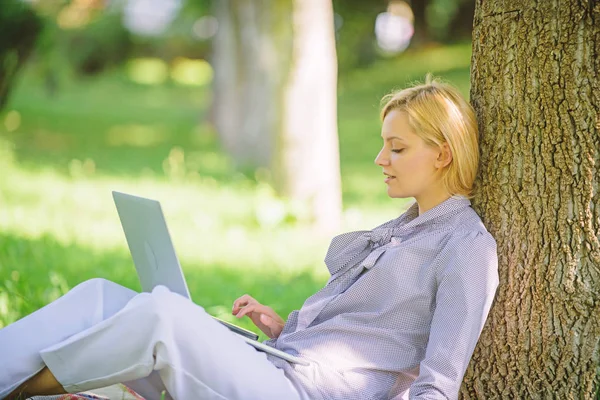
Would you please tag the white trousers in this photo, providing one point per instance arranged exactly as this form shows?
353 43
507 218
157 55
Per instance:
101 333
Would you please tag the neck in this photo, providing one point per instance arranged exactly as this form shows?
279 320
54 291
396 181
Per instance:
427 202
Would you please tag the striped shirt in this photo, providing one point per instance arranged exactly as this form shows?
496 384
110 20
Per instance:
402 311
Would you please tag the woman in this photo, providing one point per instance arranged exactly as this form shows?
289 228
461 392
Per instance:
399 317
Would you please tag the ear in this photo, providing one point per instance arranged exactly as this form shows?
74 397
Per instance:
444 157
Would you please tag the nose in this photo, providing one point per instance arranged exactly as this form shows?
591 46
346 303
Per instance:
382 160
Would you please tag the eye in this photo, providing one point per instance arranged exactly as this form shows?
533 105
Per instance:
397 150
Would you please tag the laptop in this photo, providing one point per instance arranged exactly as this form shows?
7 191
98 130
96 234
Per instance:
156 262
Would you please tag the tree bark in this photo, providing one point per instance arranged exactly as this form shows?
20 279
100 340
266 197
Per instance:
535 86
274 100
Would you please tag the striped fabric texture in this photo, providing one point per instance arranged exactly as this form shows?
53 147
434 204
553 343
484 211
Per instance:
402 311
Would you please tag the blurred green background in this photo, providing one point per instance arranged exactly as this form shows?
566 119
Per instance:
95 107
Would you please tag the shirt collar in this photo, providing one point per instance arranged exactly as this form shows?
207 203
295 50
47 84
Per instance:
351 248
411 217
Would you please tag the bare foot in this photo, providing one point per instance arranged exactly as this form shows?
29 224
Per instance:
42 383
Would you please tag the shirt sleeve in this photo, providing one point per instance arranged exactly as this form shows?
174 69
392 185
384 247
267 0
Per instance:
467 284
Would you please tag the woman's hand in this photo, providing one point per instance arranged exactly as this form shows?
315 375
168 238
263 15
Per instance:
263 317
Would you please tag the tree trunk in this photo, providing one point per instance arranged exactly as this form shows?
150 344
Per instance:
250 56
307 165
536 90
19 29
274 100
421 35
356 40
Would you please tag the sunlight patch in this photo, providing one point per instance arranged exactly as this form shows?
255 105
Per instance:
147 71
50 141
7 154
190 72
12 121
135 135
78 168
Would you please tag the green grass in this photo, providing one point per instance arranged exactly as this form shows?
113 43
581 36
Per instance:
58 225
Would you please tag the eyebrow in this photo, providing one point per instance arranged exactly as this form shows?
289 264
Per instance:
390 138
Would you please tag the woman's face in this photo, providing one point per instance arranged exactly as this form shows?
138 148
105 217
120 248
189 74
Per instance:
410 166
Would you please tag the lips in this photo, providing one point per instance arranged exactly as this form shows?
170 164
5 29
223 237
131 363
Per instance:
388 177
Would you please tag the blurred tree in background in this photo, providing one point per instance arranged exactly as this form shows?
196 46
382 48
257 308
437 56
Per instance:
20 27
443 21
434 21
460 25
90 36
275 97
101 44
355 31
422 31
262 52
79 37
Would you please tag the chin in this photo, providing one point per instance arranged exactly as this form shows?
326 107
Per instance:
396 194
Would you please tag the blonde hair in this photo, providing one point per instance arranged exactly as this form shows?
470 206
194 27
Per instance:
439 114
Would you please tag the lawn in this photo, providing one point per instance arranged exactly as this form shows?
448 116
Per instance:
62 155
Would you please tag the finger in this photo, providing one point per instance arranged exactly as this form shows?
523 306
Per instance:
237 309
237 306
265 319
240 306
257 308
271 327
266 310
241 302
276 330
243 299
248 309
